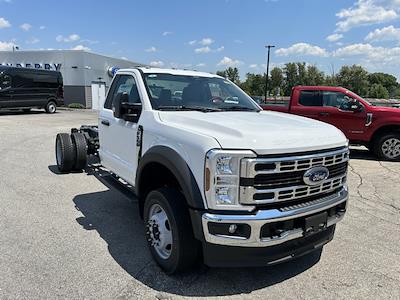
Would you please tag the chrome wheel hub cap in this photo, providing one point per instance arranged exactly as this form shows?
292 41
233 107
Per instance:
159 231
391 148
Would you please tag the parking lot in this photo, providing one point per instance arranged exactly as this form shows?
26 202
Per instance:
80 236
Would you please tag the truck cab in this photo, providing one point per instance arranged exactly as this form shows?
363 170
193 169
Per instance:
377 128
216 177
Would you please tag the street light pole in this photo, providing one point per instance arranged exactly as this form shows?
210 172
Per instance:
266 77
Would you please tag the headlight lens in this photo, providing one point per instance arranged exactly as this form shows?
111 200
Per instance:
222 175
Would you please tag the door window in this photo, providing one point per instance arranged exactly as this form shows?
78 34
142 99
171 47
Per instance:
123 84
5 81
310 98
338 100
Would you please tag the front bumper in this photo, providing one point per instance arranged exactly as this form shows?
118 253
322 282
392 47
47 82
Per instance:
255 222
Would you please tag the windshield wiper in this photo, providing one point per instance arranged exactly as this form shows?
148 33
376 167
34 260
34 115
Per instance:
239 108
188 108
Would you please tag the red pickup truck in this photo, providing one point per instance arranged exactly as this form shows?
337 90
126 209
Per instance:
378 128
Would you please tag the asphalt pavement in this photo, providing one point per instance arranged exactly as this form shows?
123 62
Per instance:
79 236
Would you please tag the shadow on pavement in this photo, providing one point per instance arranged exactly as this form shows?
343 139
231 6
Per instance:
116 219
21 112
363 154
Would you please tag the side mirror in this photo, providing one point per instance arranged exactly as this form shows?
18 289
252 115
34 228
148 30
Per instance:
117 105
132 111
356 106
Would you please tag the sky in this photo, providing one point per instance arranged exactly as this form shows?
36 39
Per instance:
211 35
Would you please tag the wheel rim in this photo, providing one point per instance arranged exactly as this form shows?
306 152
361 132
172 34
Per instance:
58 152
159 231
52 108
391 148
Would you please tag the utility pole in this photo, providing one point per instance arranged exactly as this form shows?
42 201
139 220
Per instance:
266 77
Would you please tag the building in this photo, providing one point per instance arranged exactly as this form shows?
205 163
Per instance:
87 75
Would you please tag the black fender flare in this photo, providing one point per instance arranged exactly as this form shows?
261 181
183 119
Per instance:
174 162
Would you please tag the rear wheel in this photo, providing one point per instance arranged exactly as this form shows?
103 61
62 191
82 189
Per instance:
169 230
51 107
65 152
79 141
387 147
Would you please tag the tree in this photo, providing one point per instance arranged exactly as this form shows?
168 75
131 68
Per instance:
378 91
301 73
231 73
291 77
254 84
386 80
276 80
221 73
355 78
314 76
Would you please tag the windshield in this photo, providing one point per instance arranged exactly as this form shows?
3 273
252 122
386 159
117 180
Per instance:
207 94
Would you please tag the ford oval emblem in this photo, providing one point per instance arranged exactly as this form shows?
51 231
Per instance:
316 175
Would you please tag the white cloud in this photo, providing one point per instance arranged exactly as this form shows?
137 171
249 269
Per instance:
25 26
42 27
33 40
389 33
191 43
124 58
334 37
4 23
6 46
229 62
157 63
302 49
207 49
201 65
81 47
366 12
203 50
151 49
253 66
238 41
378 56
165 33
206 41
67 39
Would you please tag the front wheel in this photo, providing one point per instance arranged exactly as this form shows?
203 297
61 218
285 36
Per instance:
169 230
387 147
51 107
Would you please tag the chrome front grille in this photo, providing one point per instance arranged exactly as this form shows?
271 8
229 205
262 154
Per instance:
270 180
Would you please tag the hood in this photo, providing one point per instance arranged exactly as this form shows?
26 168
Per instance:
265 132
385 109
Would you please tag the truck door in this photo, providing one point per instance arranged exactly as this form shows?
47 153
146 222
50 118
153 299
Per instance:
118 150
341 111
307 103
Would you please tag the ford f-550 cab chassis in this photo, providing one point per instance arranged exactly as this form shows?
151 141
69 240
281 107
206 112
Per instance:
216 177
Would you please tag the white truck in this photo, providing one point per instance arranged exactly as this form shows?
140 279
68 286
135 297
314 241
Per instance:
216 177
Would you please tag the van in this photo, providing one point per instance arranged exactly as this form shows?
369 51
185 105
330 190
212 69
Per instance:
24 88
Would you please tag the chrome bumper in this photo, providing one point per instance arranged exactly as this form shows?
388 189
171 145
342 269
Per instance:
263 217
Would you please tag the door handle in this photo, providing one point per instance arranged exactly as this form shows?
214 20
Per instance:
105 122
324 114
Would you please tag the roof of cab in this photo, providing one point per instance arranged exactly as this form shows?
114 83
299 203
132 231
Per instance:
149 70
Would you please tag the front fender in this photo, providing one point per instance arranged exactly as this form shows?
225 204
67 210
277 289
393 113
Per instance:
170 159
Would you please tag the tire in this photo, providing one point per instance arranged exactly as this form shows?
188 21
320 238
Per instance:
387 146
184 247
79 141
51 107
65 152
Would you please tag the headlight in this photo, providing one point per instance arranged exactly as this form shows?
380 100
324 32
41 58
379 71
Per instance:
221 180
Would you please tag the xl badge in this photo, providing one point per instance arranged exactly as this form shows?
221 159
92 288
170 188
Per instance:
315 176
